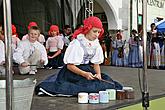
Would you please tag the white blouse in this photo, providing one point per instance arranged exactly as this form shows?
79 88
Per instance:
24 49
83 51
54 43
2 51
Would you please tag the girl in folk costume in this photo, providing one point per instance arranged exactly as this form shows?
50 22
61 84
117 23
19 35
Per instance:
29 53
54 46
154 48
135 57
40 39
78 75
15 39
118 55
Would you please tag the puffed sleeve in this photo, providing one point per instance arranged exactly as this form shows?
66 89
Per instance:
98 57
43 54
18 53
114 44
47 44
60 43
41 39
74 53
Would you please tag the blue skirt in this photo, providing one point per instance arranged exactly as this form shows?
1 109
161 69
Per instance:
55 62
69 83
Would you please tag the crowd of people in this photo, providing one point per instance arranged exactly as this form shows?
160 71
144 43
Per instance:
130 53
121 52
34 50
79 56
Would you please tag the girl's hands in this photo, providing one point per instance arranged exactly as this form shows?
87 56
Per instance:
89 76
24 64
50 57
97 76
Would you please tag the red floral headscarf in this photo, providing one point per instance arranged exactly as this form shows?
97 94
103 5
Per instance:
89 23
32 24
54 28
14 30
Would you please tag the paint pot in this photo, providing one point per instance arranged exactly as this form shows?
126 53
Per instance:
82 97
120 95
104 97
129 92
93 98
111 94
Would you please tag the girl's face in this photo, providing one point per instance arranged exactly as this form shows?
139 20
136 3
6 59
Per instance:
119 37
33 35
93 34
53 33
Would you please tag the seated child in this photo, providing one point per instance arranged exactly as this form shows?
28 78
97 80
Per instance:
54 45
30 53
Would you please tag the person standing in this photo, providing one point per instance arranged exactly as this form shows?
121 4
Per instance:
135 56
118 55
66 36
154 48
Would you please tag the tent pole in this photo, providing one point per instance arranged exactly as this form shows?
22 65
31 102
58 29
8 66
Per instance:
7 34
145 93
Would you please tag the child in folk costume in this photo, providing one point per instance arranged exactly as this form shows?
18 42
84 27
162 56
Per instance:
118 55
135 57
41 38
78 75
54 46
30 53
15 39
2 57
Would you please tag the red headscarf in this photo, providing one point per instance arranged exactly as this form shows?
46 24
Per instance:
89 23
14 30
54 28
32 24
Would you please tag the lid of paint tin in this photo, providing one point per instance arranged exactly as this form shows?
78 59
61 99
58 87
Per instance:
128 88
82 93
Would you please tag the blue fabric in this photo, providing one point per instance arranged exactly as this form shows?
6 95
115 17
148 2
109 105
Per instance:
69 83
161 27
134 57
